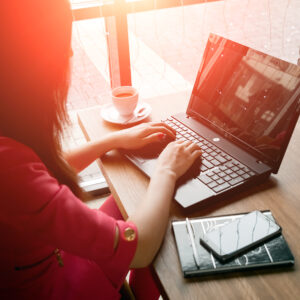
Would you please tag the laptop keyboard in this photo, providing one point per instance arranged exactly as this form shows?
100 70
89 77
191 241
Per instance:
218 170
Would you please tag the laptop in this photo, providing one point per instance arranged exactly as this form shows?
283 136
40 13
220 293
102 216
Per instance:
242 112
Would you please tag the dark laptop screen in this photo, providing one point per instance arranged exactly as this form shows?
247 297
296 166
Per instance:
247 96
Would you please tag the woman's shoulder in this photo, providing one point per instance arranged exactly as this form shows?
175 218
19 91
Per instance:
13 153
22 176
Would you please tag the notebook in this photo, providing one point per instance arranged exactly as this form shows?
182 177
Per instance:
242 112
273 254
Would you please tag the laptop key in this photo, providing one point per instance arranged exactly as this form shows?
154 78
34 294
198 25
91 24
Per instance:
204 154
246 169
215 162
222 174
212 184
205 179
245 176
220 159
227 178
215 177
203 168
217 171
207 164
223 168
236 180
230 165
221 187
235 168
240 172
220 181
239 165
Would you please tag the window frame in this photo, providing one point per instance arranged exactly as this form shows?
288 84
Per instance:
116 25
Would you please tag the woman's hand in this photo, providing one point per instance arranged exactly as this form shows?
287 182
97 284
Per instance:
151 217
178 157
144 134
131 138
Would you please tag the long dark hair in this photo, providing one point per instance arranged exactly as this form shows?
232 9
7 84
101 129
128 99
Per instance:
35 46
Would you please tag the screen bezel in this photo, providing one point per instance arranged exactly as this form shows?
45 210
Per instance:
273 163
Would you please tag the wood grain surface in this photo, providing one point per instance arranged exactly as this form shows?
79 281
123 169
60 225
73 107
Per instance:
280 193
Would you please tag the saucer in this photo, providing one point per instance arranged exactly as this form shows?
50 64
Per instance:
110 114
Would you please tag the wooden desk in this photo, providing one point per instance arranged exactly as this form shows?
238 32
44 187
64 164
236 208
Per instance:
281 194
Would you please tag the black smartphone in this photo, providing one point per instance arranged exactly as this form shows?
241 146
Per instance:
240 235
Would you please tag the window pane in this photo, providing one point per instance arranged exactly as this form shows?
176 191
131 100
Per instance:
90 86
83 3
90 83
166 45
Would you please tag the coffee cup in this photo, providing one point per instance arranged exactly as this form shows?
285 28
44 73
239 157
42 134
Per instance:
125 99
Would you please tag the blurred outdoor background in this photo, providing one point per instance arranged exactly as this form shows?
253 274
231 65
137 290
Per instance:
166 47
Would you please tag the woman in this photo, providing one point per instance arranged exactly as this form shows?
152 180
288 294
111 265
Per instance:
52 245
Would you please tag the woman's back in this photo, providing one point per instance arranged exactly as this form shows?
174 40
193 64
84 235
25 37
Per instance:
38 216
18 248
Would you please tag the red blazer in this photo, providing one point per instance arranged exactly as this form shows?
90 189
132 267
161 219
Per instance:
39 215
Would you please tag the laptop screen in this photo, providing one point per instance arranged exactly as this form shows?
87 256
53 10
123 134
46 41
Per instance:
250 97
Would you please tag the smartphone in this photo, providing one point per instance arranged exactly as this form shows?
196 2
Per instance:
240 235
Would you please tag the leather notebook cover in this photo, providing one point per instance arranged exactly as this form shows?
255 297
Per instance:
274 253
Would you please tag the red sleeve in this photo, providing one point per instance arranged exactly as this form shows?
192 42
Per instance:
32 201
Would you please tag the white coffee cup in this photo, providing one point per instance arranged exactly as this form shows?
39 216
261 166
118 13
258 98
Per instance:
125 99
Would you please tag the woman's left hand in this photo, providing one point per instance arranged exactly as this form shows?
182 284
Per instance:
144 134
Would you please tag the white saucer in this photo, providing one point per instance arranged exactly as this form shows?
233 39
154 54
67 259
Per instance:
110 114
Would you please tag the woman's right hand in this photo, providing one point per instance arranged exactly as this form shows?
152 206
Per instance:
178 157
151 218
